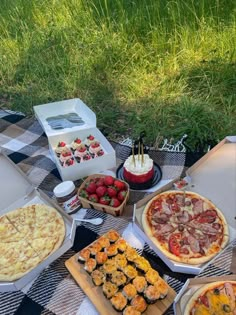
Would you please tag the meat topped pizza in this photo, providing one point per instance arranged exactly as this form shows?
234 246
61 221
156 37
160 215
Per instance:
186 227
213 298
27 236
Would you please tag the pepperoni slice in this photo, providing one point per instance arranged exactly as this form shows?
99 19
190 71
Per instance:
204 300
174 246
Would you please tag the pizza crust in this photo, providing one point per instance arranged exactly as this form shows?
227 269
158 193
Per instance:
36 232
201 291
185 260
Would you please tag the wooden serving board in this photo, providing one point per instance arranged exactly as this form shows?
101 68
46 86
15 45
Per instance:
97 297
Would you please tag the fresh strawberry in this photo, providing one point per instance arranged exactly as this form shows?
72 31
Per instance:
61 144
121 195
95 144
93 198
90 137
111 191
105 200
100 181
119 185
101 190
84 194
67 153
91 187
114 202
70 162
109 180
77 140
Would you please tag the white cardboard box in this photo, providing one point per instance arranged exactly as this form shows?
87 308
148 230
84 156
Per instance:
214 177
78 170
17 191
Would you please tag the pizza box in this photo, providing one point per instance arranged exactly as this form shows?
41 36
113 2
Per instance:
57 120
17 191
190 287
214 177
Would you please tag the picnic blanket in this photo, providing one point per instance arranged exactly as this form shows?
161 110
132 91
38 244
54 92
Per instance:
54 291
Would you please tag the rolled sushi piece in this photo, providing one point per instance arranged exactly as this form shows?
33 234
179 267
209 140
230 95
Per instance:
112 235
119 302
101 258
142 264
90 265
95 248
139 303
120 261
121 245
140 283
152 276
111 250
129 291
163 287
151 294
131 254
130 272
118 278
109 289
109 266
98 277
83 255
130 310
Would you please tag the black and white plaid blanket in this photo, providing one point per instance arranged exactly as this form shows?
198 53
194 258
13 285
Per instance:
54 290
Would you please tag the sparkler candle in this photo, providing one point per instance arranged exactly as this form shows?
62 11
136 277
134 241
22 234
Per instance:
138 150
133 155
142 154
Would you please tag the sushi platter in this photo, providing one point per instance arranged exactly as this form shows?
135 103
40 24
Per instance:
117 279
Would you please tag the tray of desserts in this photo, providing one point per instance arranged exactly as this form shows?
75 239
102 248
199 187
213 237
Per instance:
117 279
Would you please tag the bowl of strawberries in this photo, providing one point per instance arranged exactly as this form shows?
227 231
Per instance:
105 193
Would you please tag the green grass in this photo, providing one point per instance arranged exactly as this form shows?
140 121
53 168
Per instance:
167 67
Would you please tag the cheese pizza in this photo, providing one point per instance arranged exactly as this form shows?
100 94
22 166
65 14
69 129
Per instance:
213 298
28 235
186 227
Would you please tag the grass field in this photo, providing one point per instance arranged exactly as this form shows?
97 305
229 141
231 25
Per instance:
167 67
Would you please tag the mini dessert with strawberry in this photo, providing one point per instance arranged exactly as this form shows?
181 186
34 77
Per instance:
94 148
61 146
89 139
81 153
138 169
76 144
66 158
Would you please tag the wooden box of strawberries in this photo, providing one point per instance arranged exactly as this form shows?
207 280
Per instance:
104 193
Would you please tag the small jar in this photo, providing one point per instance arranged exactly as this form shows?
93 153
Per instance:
66 196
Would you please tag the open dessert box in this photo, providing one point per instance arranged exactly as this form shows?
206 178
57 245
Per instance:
214 177
67 120
191 286
17 191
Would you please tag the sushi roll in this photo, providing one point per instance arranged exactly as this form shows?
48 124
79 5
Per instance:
131 254
104 242
118 301
118 278
84 255
98 277
111 250
152 276
130 310
139 303
109 289
151 294
163 287
121 245
95 248
129 291
90 265
109 266
130 272
101 258
140 283
142 264
120 261
113 236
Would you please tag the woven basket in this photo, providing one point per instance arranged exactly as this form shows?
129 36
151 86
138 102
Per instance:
104 208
